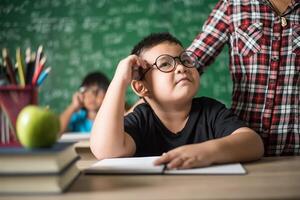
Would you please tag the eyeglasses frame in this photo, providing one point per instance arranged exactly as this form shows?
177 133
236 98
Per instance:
174 67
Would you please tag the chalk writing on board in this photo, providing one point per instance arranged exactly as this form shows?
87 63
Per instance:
80 36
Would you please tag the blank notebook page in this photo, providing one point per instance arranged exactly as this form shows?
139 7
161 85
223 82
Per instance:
135 165
235 168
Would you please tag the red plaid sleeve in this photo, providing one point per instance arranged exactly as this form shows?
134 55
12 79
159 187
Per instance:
210 42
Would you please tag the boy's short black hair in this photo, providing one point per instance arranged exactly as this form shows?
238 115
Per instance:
152 40
96 78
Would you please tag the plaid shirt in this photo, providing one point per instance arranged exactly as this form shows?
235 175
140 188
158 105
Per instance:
264 65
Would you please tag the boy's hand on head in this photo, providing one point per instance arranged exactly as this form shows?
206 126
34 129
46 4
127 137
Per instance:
188 156
127 66
77 101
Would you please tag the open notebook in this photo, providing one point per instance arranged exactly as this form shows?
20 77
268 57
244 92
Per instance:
144 165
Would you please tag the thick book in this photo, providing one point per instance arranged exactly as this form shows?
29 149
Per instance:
18 160
39 183
144 165
82 144
82 148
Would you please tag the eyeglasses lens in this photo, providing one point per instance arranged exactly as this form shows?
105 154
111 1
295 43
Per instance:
188 59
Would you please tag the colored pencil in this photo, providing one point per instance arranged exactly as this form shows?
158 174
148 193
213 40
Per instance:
20 65
9 67
43 76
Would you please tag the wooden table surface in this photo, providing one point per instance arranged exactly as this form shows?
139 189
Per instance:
269 178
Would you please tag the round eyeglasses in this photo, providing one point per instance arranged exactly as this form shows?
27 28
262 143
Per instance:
167 63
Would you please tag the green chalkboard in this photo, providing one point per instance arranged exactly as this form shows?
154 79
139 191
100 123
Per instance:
80 36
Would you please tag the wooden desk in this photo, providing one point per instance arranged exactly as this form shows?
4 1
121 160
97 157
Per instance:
269 178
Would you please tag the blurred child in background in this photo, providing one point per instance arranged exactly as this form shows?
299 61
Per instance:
80 114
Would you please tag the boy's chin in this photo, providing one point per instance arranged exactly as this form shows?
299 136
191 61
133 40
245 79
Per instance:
186 94
182 98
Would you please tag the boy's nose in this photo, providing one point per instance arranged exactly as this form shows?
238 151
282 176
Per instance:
179 67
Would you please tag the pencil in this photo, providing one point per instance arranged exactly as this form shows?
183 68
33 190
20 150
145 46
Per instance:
43 76
9 67
38 59
38 70
20 65
30 67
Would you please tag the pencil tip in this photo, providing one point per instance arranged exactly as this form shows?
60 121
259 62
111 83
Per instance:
4 52
18 51
43 60
40 49
33 55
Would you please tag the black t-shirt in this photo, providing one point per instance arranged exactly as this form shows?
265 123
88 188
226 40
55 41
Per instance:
208 119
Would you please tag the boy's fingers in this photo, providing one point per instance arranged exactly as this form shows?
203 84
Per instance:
187 164
142 63
175 163
80 97
165 158
145 64
75 97
136 73
138 62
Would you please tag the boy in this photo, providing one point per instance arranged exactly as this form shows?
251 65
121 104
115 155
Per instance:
188 132
80 114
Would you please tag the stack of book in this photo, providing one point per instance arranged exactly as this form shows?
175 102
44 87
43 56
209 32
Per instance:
45 170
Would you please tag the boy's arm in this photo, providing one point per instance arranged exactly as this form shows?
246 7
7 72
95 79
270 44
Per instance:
108 138
241 146
65 118
68 112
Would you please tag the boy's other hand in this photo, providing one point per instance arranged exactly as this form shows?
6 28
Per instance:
188 156
77 101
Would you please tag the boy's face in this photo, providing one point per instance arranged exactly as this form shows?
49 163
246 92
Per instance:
179 85
92 98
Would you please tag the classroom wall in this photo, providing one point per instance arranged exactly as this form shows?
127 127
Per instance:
80 36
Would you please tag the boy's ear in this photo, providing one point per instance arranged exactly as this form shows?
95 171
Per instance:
139 88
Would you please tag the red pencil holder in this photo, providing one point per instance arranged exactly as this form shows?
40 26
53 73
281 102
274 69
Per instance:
12 100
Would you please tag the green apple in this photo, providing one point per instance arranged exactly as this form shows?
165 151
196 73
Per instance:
37 127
